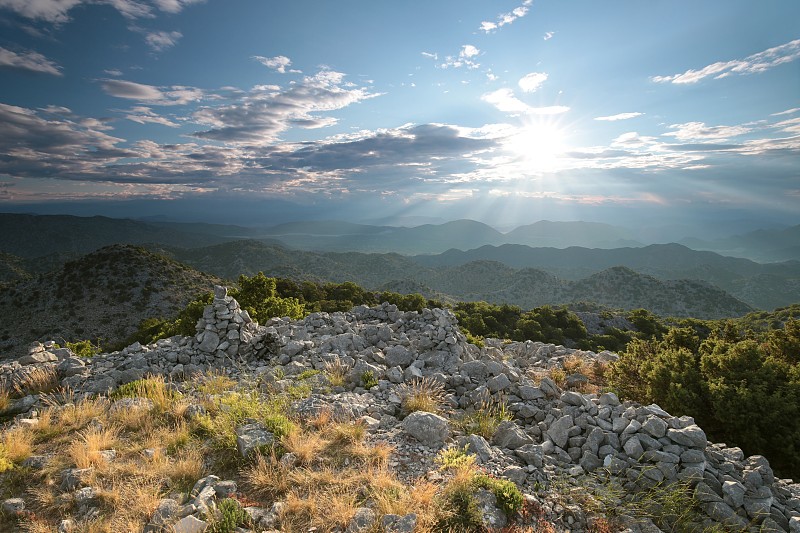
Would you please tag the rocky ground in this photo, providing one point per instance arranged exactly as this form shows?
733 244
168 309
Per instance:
583 460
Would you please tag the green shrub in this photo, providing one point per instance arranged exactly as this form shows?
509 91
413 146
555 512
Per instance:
509 497
229 517
368 379
742 389
83 348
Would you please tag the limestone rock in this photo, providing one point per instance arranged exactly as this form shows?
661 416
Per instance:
428 428
510 435
252 436
559 430
393 523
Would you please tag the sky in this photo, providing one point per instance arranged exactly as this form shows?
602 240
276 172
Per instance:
508 111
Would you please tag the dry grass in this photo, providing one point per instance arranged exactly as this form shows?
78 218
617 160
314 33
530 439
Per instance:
85 450
306 446
155 388
426 394
40 379
267 477
5 400
337 372
75 416
17 444
214 382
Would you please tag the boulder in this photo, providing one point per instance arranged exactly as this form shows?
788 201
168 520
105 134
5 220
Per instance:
510 435
428 428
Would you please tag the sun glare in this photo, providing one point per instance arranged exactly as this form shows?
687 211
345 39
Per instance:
537 146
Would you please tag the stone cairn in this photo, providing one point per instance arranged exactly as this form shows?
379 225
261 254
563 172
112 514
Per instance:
554 434
225 330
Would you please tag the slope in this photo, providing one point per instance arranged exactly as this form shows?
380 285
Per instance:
103 295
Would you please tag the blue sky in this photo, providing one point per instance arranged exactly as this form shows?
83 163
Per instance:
508 111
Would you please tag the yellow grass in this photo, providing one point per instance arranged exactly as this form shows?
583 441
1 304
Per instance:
306 446
85 450
40 379
18 444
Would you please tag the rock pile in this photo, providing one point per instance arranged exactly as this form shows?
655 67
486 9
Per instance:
554 434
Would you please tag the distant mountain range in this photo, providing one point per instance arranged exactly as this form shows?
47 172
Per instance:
80 235
759 245
493 281
462 259
33 236
765 286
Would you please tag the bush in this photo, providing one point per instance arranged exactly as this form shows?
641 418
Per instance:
741 389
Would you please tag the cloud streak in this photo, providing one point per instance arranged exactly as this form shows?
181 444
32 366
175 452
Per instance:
505 100
150 94
753 64
619 116
57 11
29 61
504 19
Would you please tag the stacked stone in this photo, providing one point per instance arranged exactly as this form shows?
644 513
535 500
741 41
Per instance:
225 330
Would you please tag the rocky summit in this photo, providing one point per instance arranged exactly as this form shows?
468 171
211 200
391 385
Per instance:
560 448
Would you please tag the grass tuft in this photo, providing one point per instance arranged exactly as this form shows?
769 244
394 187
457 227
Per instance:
426 394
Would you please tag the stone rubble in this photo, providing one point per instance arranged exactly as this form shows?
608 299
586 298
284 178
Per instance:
555 436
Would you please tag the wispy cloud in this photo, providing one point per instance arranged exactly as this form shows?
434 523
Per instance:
431 55
145 115
619 116
465 58
787 112
57 144
174 95
174 6
113 72
57 11
277 63
505 101
532 81
506 18
266 111
548 35
161 40
756 63
700 131
28 60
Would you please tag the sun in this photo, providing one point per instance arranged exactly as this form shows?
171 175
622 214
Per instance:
537 146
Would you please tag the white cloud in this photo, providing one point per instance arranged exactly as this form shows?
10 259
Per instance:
505 101
277 63
506 18
174 6
113 72
431 55
30 61
145 115
174 95
619 116
266 111
548 35
161 40
532 81
700 131
787 112
464 59
57 11
756 63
